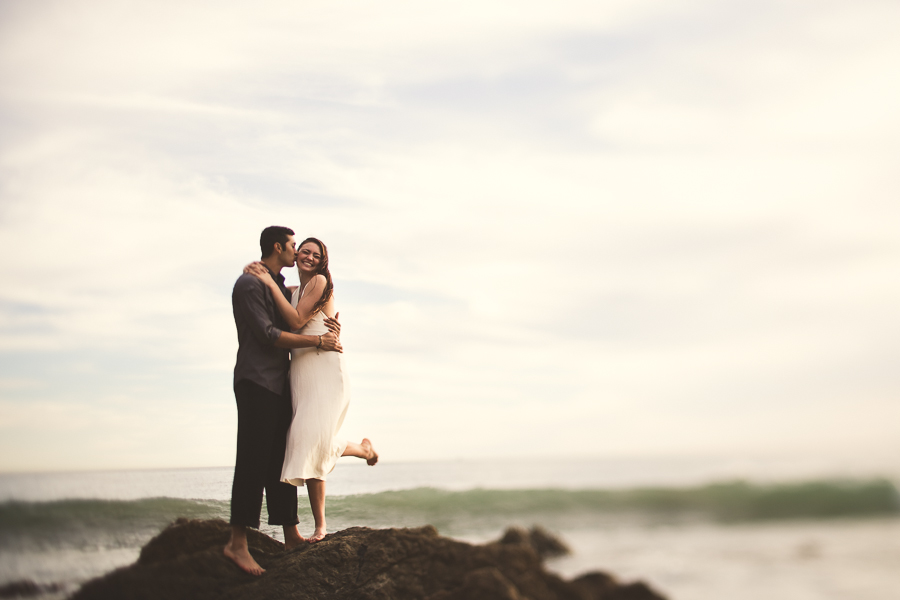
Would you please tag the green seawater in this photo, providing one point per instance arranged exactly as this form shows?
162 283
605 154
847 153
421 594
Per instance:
127 523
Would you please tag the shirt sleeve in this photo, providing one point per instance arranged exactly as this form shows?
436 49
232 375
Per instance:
250 302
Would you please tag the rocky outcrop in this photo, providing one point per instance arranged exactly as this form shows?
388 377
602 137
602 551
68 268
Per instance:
25 588
545 544
185 561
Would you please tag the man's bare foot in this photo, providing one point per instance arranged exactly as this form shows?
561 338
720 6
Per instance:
292 538
317 535
241 557
371 455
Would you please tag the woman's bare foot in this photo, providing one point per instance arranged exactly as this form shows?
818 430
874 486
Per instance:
317 535
371 455
241 557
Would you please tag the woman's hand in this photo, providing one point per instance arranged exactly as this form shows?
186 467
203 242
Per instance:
333 325
259 270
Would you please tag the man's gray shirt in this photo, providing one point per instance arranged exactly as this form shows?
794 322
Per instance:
259 325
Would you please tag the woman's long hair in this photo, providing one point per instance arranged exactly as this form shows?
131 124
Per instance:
322 270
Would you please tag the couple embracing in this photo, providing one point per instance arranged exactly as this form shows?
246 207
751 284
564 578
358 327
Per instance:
291 391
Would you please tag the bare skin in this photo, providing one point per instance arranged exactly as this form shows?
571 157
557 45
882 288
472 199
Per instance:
366 451
292 537
283 255
308 259
316 487
236 549
316 491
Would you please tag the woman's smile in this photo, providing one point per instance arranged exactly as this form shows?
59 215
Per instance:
308 257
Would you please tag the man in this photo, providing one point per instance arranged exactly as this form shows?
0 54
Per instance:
262 392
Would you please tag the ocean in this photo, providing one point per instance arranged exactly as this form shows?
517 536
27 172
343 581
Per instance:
692 529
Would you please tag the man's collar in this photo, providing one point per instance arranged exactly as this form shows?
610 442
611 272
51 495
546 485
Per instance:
276 276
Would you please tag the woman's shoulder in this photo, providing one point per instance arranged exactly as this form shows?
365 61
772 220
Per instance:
318 283
315 285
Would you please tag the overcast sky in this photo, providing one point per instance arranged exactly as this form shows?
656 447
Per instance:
604 229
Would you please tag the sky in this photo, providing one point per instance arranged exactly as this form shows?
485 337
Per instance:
568 229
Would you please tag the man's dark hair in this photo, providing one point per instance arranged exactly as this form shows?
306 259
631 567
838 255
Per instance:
271 236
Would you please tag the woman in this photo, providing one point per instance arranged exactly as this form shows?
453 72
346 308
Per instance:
319 389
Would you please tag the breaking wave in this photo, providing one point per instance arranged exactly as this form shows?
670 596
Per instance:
97 524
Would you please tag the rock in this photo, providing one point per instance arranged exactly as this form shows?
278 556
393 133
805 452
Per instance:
487 583
180 540
26 588
594 586
185 561
541 541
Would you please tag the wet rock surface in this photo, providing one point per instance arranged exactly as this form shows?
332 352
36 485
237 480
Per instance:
185 561
26 588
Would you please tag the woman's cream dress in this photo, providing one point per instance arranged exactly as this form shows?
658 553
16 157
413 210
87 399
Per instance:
320 395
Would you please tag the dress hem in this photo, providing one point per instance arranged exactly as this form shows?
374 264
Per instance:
300 481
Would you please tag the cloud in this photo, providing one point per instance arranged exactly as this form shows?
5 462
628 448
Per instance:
638 228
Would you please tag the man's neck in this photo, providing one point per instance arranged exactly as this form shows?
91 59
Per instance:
272 263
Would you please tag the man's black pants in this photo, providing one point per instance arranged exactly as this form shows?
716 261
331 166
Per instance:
263 421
